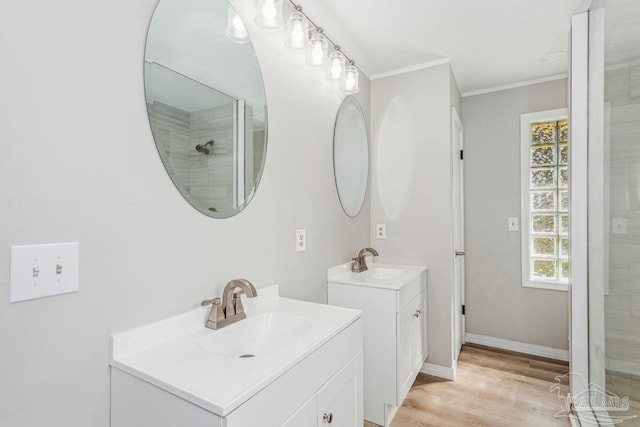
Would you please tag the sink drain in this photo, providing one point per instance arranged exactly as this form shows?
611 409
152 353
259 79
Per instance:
245 356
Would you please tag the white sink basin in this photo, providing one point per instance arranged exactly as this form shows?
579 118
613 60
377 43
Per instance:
389 276
383 273
256 336
205 367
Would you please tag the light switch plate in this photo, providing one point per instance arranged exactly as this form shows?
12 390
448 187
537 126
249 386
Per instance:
301 241
39 271
513 224
381 231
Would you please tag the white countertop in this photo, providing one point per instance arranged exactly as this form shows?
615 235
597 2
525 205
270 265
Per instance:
170 353
343 274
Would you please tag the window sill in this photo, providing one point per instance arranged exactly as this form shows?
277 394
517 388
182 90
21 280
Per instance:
554 286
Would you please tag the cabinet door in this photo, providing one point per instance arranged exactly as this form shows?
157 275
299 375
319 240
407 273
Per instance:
410 345
338 399
307 416
404 353
419 331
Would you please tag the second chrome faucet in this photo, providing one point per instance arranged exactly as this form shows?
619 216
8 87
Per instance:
229 310
359 263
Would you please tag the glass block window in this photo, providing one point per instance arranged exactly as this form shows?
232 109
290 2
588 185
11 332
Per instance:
545 204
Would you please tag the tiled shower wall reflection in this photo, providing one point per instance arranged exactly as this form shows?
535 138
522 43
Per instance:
207 178
622 304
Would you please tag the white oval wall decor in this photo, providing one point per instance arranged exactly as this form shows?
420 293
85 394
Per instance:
396 158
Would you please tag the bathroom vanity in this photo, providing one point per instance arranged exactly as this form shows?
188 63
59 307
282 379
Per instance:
393 300
289 363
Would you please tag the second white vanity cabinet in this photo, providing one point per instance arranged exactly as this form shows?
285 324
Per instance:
393 300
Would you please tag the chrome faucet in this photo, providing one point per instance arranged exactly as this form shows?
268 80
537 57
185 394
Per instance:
359 263
230 309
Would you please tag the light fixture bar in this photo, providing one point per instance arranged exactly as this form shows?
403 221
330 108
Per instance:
318 28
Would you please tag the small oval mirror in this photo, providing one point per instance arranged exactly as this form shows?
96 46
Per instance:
351 156
206 103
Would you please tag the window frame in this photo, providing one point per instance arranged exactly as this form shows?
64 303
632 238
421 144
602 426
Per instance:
525 213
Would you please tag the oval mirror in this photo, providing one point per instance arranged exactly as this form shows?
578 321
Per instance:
351 156
206 103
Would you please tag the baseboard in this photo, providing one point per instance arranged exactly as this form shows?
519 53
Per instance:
623 366
439 371
535 350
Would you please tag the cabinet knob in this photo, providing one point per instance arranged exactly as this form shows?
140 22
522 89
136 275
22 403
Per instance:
328 418
417 313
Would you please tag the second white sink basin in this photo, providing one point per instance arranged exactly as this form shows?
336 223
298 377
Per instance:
389 276
382 273
259 335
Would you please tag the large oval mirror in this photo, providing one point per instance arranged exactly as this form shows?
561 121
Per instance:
351 156
206 103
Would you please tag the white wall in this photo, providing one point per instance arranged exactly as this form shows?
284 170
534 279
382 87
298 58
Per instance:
416 209
496 303
77 163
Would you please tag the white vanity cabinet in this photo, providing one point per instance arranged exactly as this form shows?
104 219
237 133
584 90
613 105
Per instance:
394 312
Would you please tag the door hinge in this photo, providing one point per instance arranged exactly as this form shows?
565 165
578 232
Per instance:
463 310
461 154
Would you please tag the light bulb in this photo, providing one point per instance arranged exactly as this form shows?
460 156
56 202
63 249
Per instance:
317 53
350 79
236 30
335 70
297 31
297 36
269 13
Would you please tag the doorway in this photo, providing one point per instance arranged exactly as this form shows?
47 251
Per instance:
457 169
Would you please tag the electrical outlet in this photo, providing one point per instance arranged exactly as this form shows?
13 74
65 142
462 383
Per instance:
39 271
513 224
381 231
301 241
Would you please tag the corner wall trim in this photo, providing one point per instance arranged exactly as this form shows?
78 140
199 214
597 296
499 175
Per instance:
439 371
417 67
515 85
533 349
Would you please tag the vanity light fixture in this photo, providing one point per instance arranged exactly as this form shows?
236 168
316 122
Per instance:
339 66
297 30
269 13
235 27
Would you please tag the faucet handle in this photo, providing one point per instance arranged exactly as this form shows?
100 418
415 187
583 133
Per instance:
214 301
216 309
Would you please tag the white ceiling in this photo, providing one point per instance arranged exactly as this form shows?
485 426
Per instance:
490 43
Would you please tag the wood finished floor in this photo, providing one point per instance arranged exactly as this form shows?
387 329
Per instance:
492 388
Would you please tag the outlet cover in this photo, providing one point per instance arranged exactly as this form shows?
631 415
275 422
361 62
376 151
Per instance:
381 231
301 241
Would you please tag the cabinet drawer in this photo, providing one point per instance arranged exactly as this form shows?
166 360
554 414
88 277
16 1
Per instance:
410 291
